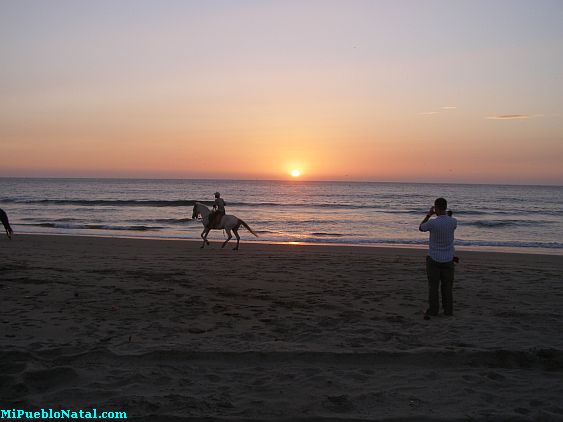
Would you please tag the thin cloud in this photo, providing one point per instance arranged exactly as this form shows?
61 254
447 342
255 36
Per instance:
428 113
509 117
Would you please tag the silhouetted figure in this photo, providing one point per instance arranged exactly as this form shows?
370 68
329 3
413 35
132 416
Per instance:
218 211
6 223
440 259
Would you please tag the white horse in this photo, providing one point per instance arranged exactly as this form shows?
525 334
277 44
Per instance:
228 223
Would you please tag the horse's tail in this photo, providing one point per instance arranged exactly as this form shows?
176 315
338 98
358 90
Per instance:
247 227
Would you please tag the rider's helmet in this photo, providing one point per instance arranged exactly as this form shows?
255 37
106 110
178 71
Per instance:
217 194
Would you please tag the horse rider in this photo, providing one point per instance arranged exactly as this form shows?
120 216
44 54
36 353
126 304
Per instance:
6 223
218 211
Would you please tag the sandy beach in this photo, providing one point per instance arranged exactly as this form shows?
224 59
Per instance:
168 332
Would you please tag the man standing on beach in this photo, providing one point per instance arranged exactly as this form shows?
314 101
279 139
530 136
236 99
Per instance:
440 259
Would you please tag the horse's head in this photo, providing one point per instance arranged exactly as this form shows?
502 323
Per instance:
195 212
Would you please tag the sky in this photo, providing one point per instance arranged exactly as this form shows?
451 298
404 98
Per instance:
419 91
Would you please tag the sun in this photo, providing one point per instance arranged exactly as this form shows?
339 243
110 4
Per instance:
295 173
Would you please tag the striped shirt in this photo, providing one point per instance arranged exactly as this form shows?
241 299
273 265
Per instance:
441 244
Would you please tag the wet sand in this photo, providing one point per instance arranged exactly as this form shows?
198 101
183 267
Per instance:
167 331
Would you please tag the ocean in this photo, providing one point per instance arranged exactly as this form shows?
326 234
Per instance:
503 217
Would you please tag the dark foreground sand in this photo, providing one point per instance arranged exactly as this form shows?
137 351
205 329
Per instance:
169 332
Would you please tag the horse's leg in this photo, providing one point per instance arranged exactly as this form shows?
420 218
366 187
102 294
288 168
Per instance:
204 236
202 246
235 231
228 238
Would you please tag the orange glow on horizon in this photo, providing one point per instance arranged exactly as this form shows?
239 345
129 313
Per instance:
174 97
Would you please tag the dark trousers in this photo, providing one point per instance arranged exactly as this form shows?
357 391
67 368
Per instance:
215 218
440 274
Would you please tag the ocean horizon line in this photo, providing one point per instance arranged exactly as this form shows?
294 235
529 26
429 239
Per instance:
292 181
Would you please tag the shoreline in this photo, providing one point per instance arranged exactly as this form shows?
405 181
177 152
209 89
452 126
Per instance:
477 249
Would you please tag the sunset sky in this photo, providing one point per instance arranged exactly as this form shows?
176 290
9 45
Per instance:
442 91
